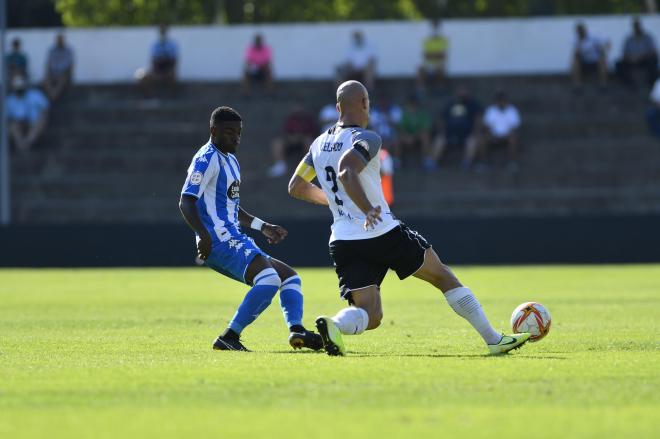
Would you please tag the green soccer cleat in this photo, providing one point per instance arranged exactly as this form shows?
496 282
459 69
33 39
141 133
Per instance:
509 343
333 342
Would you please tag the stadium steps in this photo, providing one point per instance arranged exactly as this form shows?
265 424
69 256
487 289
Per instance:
112 155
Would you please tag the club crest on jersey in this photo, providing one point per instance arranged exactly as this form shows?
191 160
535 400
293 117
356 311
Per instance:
232 191
196 178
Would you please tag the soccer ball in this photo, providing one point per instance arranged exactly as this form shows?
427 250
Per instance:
531 317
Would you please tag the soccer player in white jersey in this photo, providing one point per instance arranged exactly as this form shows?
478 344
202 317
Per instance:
210 205
366 239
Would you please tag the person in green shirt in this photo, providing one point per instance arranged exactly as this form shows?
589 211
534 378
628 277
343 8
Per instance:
414 129
434 53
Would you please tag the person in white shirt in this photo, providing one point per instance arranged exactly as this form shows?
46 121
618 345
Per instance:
501 123
653 112
589 56
360 62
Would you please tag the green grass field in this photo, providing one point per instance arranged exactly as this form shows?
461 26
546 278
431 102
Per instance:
127 353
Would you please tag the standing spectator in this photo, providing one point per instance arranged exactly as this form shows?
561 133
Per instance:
59 68
501 122
589 56
17 62
653 113
27 113
164 60
639 52
435 57
387 175
328 117
299 132
415 130
258 64
384 119
360 62
459 127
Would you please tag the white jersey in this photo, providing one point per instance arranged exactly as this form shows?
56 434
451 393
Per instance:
324 156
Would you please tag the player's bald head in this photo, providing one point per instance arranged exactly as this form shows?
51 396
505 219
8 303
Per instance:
351 93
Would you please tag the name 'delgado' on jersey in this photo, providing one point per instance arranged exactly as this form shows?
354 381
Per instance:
332 147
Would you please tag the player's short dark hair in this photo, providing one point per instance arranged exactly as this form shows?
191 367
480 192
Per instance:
224 114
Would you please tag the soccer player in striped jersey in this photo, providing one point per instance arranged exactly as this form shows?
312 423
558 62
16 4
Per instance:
366 239
210 205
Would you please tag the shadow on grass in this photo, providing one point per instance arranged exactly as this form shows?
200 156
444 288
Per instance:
392 354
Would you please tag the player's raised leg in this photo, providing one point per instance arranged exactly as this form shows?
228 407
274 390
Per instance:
465 304
291 302
265 282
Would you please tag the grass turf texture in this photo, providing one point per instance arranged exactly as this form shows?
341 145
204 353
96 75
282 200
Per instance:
127 353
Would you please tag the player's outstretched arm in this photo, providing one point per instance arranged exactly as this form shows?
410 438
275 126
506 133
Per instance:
350 166
272 232
188 208
302 188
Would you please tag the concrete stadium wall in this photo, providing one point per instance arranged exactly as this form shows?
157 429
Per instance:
459 241
210 53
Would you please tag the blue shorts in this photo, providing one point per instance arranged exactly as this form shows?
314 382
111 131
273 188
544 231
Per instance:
232 257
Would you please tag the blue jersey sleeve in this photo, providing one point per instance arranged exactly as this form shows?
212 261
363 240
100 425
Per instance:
202 169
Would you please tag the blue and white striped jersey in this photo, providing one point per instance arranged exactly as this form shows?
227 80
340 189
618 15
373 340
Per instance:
214 178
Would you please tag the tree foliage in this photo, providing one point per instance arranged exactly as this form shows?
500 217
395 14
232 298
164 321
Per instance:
149 12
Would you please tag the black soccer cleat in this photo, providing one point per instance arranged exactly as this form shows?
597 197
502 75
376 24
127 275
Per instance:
226 344
333 342
306 339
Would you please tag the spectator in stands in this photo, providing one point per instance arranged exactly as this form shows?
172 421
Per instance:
59 68
299 131
164 60
360 62
501 123
639 52
653 113
384 118
459 126
16 61
589 57
258 64
414 130
435 58
27 113
328 116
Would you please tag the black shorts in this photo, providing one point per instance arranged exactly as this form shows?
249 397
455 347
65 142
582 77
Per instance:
364 262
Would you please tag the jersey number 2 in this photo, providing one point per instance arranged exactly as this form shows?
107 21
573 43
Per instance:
331 175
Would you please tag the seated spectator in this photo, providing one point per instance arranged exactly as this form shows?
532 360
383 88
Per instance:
16 61
164 60
59 68
27 114
414 130
258 65
639 52
299 131
328 117
384 118
435 58
459 127
501 123
360 62
653 113
589 57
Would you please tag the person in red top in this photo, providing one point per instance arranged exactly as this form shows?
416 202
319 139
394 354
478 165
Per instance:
300 128
387 175
258 65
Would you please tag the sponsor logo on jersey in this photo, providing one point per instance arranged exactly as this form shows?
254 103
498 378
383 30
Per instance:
202 159
332 146
232 191
196 178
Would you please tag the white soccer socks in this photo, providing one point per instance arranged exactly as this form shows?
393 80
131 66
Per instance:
351 320
463 302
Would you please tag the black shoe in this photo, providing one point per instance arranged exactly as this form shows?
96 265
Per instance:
227 344
306 339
